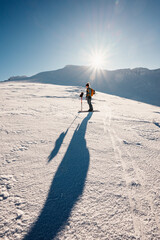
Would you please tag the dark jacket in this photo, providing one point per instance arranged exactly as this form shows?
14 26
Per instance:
88 92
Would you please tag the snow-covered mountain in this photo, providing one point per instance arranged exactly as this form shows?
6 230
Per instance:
70 175
139 84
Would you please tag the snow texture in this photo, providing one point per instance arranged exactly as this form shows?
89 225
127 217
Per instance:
67 175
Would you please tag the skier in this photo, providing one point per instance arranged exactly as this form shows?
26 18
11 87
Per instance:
88 97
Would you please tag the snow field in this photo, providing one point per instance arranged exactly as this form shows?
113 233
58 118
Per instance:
111 159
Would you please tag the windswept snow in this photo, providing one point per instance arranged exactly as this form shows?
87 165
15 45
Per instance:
70 175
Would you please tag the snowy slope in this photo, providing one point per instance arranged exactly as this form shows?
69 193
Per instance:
65 175
139 84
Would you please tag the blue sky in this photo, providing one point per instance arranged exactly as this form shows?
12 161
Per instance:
42 35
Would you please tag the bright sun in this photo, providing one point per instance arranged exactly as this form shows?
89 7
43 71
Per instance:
97 60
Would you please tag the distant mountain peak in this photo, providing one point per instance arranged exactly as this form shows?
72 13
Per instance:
139 83
140 69
75 66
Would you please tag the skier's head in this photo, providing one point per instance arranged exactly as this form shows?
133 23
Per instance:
87 85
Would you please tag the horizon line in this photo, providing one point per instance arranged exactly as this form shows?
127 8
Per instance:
73 65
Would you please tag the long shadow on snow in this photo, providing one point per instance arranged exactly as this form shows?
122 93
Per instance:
157 124
67 186
58 144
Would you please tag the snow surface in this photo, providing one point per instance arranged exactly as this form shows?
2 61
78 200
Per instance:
70 175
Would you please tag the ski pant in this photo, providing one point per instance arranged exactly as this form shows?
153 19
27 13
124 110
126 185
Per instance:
89 103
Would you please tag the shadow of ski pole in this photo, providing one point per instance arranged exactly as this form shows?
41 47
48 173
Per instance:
66 188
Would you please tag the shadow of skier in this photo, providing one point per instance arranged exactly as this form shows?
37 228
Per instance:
67 186
59 142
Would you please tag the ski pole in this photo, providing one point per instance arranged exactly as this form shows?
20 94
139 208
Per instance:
81 103
81 95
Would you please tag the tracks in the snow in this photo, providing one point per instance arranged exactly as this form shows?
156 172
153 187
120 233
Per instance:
145 219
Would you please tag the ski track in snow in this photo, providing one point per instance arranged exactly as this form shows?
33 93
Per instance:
121 195
135 181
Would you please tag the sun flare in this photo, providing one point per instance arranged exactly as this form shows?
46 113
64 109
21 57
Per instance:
97 60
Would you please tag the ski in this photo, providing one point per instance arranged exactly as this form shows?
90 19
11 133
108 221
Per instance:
88 111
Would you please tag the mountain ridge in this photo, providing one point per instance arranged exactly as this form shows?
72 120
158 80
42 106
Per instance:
18 77
141 84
